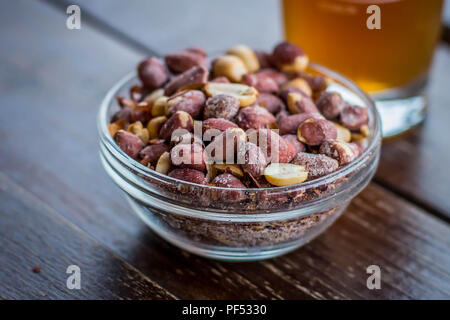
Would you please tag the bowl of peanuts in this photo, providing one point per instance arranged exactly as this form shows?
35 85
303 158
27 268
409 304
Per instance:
246 156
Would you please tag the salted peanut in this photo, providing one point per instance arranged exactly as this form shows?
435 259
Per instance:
229 66
216 124
224 146
129 143
285 174
245 94
254 117
179 120
299 103
227 180
154 125
260 82
221 106
290 123
314 131
298 146
317 165
342 151
221 79
274 147
188 156
152 73
252 159
272 103
317 83
277 76
113 127
181 61
137 93
281 115
163 164
123 113
288 57
159 106
153 96
232 168
247 56
124 102
195 76
152 153
343 133
354 117
330 104
138 129
190 101
188 175
142 112
300 84
365 130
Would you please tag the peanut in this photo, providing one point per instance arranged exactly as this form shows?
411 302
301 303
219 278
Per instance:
138 129
221 106
190 101
188 175
154 125
247 56
195 76
229 66
289 58
300 103
245 94
129 143
317 165
313 132
179 120
285 174
164 164
254 117
152 153
152 73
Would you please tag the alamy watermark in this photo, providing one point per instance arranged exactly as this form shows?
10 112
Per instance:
374 20
74 280
374 280
73 22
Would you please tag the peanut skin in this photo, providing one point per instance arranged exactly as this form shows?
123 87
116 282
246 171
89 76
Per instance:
129 143
188 175
152 73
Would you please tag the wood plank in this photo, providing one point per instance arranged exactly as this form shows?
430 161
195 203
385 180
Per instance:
61 168
38 246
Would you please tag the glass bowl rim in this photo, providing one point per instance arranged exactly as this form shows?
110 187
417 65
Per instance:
138 168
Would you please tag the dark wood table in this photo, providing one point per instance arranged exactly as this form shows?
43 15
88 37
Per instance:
59 208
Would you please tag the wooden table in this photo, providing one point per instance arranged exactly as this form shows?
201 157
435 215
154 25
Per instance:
59 208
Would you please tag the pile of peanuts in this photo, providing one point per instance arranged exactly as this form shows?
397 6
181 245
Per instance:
253 119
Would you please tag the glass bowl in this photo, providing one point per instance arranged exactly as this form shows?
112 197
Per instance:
239 224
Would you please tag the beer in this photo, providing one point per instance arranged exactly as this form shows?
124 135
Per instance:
337 34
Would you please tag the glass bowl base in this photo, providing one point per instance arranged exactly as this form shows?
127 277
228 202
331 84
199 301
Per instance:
227 253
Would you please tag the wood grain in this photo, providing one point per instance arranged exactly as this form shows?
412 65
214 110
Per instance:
50 92
34 236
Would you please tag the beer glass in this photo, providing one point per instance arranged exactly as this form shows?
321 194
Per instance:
385 46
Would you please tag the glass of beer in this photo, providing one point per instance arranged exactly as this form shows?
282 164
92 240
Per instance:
385 46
